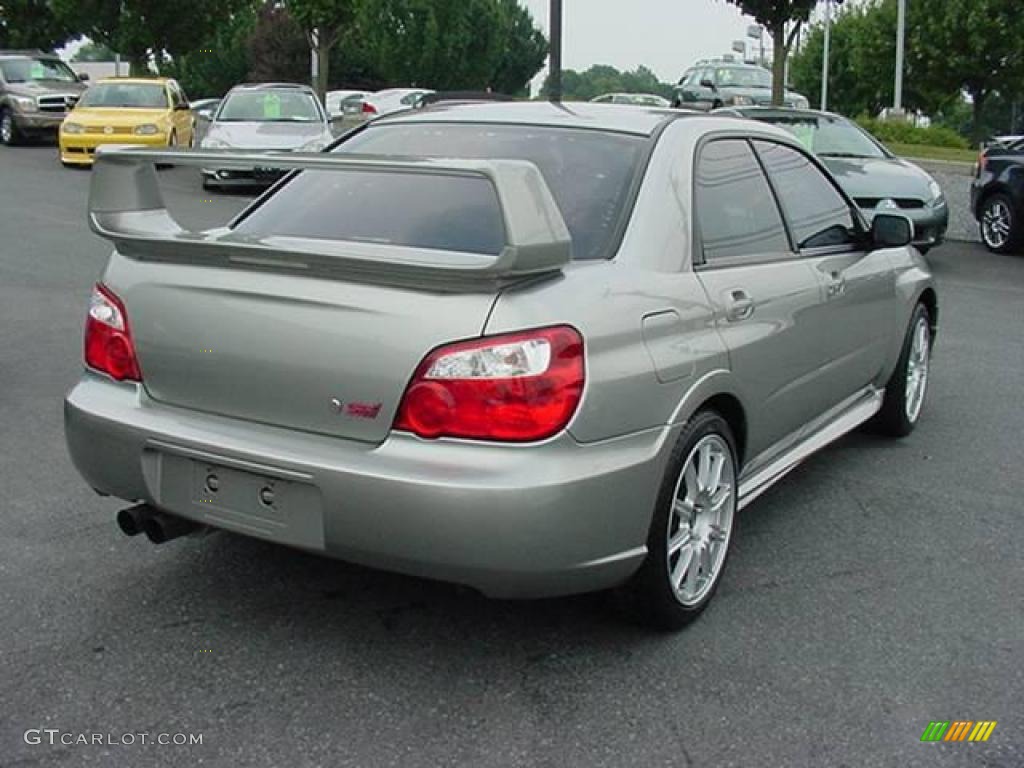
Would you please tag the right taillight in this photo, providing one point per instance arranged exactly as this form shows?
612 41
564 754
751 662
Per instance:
108 339
516 387
369 109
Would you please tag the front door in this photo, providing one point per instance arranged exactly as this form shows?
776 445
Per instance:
765 297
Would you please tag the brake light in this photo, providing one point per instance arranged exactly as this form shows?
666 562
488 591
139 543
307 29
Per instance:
369 109
108 338
516 387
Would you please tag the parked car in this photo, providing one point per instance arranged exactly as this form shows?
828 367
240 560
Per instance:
205 109
537 349
36 91
345 103
718 84
126 110
874 177
279 117
641 99
392 100
997 197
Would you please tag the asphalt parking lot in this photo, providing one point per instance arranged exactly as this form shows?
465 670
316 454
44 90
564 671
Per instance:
875 589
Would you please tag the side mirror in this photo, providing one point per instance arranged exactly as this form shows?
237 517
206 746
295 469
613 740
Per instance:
83 77
890 230
705 83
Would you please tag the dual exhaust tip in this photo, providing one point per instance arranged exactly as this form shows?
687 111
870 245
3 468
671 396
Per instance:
158 526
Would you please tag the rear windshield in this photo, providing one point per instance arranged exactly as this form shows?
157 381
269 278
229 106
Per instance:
590 174
442 212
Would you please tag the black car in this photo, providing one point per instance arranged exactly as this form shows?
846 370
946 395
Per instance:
997 197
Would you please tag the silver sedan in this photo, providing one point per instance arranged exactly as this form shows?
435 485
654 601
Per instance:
534 349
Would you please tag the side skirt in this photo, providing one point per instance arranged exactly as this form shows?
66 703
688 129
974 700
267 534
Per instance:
860 411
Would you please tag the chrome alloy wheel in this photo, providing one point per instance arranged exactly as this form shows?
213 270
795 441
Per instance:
996 223
917 369
700 524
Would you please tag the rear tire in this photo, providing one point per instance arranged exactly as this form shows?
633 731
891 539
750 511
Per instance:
10 135
908 385
1000 226
692 526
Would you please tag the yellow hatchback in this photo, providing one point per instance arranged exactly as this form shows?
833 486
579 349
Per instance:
123 110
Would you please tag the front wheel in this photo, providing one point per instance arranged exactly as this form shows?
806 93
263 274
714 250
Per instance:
9 133
1000 230
905 392
688 542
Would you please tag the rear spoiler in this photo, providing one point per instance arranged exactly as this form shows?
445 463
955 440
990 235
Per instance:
127 208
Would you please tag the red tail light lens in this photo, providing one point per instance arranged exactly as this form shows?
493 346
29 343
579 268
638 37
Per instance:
369 109
108 339
516 387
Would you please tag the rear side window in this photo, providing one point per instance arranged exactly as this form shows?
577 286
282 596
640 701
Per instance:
736 210
817 213
442 212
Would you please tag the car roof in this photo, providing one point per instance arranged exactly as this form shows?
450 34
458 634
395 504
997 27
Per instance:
272 87
618 118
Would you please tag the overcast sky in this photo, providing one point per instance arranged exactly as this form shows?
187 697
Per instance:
664 35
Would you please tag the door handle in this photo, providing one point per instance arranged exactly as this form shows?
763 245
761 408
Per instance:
836 285
739 306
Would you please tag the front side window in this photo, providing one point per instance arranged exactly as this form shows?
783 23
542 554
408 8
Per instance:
736 211
817 213
125 95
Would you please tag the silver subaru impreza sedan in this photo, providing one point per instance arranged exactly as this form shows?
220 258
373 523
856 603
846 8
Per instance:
536 349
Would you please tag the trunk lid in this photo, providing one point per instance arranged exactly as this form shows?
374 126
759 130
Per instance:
316 355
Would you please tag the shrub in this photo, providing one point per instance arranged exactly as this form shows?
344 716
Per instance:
897 132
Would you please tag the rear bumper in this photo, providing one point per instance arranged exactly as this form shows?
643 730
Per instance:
512 521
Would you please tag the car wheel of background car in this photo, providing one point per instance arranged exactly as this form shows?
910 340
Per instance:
908 385
999 228
692 527
9 133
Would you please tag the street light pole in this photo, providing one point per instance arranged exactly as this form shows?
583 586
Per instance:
901 31
825 58
555 56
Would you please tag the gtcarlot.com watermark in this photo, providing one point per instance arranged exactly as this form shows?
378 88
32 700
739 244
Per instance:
57 737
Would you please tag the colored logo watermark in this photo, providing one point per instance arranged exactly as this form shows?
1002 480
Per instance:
958 730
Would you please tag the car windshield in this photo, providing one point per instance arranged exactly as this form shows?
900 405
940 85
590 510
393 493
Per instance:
130 95
269 106
742 77
827 136
24 70
589 172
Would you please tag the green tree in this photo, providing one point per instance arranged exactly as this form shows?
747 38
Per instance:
147 31
94 52
32 24
277 47
601 78
323 22
524 50
782 19
221 61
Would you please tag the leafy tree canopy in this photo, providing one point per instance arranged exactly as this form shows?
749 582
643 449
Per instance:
32 24
601 79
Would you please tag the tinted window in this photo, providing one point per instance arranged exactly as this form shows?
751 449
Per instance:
447 213
736 212
589 172
817 213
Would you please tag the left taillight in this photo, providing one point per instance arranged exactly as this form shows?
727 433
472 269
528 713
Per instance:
516 387
109 347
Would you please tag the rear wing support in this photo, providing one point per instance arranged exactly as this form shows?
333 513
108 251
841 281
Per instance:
126 206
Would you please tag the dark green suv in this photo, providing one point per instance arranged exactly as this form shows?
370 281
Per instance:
713 84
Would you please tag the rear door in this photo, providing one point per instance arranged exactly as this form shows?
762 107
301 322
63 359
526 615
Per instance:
765 296
860 314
